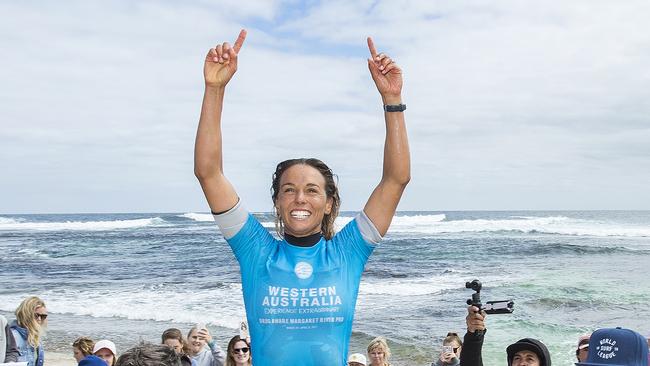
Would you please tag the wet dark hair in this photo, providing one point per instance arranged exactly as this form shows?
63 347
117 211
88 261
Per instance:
331 191
147 354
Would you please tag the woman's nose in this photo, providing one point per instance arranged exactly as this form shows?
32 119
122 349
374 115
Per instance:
300 196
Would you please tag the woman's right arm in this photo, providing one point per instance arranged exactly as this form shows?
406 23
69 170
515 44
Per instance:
219 67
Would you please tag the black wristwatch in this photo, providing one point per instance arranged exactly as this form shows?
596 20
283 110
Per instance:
394 107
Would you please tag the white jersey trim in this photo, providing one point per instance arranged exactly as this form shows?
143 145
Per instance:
231 221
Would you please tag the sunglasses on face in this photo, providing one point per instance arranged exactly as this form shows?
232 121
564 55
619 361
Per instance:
242 350
40 316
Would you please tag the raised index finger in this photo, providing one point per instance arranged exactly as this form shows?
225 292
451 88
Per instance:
371 47
240 40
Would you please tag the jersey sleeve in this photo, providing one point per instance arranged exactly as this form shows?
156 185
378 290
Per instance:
250 242
231 221
367 229
352 244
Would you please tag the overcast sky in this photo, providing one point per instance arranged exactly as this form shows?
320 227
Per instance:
511 104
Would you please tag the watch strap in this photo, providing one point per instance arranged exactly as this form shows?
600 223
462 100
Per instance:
394 107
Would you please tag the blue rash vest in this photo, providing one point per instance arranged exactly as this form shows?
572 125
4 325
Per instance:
300 301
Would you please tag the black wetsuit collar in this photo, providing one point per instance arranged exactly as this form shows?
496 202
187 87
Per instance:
303 241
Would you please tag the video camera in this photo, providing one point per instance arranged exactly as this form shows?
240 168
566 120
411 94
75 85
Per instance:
490 307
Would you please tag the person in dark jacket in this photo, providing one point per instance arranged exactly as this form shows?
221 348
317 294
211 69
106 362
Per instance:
524 352
8 348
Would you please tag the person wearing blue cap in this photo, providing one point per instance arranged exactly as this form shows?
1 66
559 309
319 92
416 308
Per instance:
616 347
92 360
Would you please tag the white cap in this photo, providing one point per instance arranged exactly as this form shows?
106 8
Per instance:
357 357
105 343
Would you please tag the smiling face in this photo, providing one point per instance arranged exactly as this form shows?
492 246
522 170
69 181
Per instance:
525 358
302 201
196 343
239 356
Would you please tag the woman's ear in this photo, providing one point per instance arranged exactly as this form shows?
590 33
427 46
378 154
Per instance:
328 205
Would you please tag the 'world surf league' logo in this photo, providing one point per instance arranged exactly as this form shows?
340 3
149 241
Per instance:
607 348
303 270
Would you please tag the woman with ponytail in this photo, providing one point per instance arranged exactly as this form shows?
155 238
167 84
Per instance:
28 330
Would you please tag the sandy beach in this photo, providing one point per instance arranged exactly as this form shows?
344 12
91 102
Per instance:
59 359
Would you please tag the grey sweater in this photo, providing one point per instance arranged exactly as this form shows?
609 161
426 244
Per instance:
210 356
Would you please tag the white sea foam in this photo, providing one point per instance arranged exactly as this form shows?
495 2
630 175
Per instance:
7 220
31 252
219 306
415 220
412 287
432 224
197 216
82 225
432 285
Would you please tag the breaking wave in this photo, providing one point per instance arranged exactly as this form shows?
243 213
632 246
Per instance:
11 224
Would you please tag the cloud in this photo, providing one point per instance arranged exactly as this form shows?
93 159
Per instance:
510 104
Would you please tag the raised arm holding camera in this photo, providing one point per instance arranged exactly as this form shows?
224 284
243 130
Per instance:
524 352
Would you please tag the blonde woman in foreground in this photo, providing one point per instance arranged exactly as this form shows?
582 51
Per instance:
28 329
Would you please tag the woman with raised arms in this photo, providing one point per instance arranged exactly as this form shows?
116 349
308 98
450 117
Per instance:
300 292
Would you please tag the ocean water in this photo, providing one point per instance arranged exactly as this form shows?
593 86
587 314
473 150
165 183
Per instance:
127 277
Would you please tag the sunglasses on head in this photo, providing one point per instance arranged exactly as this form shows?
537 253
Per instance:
40 316
242 350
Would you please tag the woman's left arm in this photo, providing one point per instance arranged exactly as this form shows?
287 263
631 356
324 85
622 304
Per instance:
383 201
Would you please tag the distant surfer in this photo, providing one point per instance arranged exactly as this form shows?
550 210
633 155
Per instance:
300 291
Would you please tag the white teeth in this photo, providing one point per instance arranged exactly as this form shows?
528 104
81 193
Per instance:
300 214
